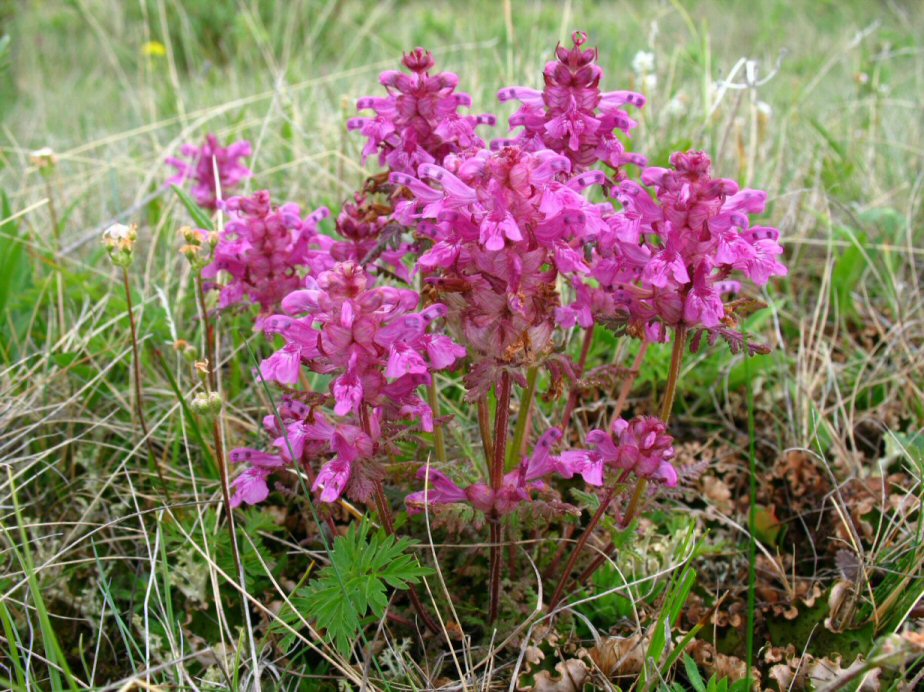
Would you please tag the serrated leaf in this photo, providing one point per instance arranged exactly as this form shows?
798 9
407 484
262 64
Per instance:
353 589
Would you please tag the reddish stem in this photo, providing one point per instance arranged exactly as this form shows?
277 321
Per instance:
630 380
575 389
582 541
388 522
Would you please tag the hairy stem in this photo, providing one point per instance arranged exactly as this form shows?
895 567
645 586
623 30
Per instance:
582 541
523 417
630 380
575 390
670 392
381 503
56 232
501 419
484 427
139 391
209 336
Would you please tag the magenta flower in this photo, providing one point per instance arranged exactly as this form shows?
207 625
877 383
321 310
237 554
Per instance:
377 352
517 484
503 225
641 446
418 121
570 115
251 486
264 249
668 261
201 166
371 239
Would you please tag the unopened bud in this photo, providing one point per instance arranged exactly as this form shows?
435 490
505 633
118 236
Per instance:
186 349
206 403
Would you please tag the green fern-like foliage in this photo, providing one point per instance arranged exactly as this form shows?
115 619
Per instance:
352 591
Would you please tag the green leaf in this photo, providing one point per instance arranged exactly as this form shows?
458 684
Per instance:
199 216
693 674
352 591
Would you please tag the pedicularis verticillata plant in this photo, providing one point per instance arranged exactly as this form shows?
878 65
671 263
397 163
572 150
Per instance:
481 261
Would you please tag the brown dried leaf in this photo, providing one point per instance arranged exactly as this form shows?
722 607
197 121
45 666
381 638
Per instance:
618 656
571 677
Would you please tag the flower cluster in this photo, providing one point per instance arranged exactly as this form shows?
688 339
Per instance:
419 120
510 250
517 484
667 262
265 249
641 446
503 225
202 164
571 116
371 239
376 350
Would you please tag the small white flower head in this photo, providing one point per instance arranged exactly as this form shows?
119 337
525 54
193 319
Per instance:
649 82
43 158
119 240
643 63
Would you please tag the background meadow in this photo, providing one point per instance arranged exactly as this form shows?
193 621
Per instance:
106 581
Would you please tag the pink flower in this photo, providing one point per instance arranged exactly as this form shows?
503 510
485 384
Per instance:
250 486
641 445
570 115
418 121
667 261
503 224
264 249
517 484
201 166
376 350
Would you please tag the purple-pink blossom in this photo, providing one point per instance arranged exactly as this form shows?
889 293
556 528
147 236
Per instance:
670 260
641 446
201 165
371 239
517 485
375 347
265 249
503 225
418 121
571 116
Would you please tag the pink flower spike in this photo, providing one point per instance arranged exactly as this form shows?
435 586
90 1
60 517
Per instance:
571 116
201 166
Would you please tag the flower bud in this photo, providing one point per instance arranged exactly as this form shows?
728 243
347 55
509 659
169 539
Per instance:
186 349
119 241
206 403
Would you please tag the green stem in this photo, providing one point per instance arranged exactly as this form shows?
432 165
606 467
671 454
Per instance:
523 418
438 439
501 419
